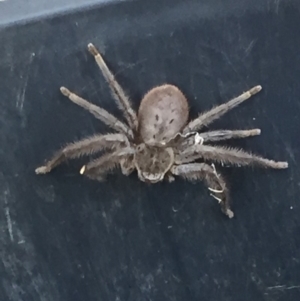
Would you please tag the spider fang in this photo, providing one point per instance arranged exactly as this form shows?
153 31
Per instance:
151 177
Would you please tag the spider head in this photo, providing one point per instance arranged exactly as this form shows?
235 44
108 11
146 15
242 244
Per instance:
152 162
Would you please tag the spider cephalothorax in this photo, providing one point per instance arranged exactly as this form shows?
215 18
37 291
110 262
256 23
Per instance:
153 162
159 142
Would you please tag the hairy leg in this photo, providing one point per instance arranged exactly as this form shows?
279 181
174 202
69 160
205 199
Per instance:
226 155
169 177
219 135
98 168
214 181
83 147
116 89
98 112
215 113
213 136
127 165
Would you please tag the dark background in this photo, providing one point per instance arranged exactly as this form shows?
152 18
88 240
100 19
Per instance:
66 238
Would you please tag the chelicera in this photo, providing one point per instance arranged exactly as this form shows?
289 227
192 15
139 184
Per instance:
159 141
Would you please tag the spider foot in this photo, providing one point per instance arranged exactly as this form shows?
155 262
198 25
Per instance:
254 132
66 92
92 49
42 170
225 210
255 90
281 165
229 213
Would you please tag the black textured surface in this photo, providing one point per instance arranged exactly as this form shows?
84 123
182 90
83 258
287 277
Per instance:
65 238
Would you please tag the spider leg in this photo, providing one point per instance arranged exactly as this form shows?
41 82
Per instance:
218 111
213 136
117 91
169 177
98 112
226 155
127 165
219 135
98 168
215 183
83 147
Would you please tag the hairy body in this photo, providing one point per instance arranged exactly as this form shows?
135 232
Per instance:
159 141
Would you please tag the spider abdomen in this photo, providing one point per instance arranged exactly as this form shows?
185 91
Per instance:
162 114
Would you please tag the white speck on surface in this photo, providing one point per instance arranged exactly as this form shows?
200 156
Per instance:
22 91
254 118
8 217
174 210
291 207
9 224
283 287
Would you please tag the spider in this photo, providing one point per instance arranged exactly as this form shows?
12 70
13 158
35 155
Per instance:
159 141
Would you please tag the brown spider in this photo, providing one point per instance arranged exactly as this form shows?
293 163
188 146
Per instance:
159 141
